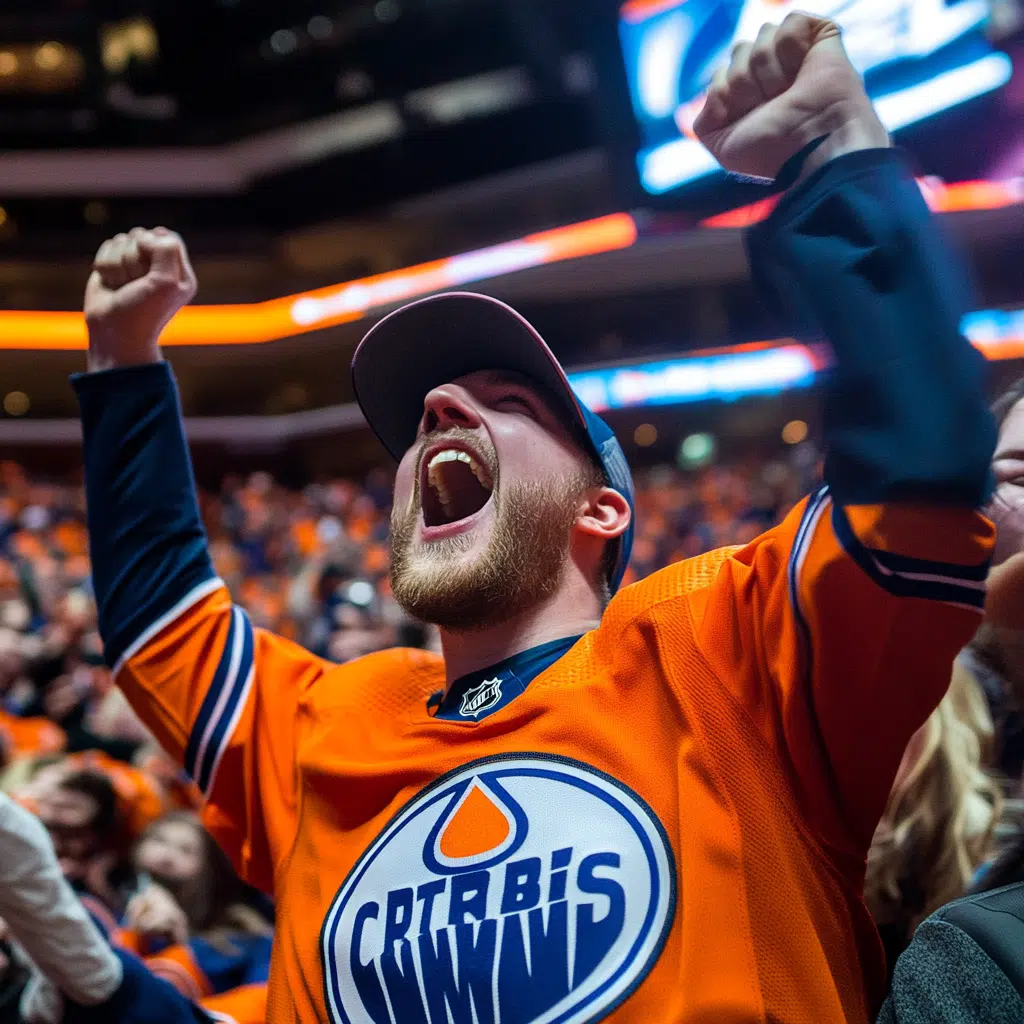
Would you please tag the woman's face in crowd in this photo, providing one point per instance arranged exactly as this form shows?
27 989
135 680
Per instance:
172 850
1007 507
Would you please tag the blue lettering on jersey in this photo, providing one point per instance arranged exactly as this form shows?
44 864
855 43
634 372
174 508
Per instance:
522 888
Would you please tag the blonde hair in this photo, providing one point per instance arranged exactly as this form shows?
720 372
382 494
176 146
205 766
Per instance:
938 823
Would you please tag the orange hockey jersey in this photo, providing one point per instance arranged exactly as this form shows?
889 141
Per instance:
672 818
664 820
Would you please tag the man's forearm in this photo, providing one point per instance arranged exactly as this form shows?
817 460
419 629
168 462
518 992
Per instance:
853 253
146 539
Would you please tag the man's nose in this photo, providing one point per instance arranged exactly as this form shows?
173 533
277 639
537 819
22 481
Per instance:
447 406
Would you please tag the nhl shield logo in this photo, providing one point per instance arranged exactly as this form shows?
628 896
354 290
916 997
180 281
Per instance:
478 699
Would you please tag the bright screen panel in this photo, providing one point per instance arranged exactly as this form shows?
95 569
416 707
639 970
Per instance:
918 58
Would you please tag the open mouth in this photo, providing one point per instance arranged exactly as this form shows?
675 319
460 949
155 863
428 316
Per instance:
455 485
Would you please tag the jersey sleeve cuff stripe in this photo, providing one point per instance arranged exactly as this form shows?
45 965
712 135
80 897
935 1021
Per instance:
923 568
949 586
216 698
215 695
816 505
193 597
228 732
220 691
224 701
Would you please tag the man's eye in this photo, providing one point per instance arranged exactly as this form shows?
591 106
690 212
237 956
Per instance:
515 401
1009 470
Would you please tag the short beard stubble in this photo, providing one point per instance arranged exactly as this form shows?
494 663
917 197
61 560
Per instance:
522 565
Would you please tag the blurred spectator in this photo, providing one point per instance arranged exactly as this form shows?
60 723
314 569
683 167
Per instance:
965 965
938 827
996 654
80 811
94 808
191 919
49 941
938 823
1007 507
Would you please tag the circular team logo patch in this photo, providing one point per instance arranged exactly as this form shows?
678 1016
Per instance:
520 889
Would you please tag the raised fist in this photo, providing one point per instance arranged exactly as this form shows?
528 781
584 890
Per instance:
138 282
793 84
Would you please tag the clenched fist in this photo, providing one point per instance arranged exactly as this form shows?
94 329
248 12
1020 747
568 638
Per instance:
138 282
792 85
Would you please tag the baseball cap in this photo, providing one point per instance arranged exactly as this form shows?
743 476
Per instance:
437 339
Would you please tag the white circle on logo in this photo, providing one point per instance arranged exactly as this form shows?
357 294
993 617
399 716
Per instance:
518 889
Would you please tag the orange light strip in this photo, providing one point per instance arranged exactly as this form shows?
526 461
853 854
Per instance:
638 10
940 197
276 319
259 322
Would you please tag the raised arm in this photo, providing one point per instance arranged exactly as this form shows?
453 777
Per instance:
853 610
188 659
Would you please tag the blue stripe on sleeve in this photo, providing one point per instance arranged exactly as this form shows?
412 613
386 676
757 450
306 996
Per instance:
940 581
146 539
802 541
907 565
237 684
210 703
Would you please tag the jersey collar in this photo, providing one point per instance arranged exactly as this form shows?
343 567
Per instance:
476 696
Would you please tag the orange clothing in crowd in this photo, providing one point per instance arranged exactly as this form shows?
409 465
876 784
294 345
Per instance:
30 737
244 1005
231 974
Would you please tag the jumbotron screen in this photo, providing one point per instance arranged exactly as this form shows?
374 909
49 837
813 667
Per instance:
918 57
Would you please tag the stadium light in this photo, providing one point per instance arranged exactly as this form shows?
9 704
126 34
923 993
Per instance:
759 368
918 102
259 322
941 197
292 315
725 375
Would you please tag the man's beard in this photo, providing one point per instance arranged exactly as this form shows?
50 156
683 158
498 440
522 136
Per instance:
523 564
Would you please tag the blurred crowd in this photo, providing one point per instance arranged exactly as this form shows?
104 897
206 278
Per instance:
313 565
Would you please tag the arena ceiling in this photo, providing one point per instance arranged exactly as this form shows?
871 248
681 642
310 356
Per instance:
242 119
301 144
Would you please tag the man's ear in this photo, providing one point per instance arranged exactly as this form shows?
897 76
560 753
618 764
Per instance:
605 515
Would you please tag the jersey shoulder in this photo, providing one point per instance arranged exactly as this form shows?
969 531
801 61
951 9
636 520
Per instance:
385 682
679 581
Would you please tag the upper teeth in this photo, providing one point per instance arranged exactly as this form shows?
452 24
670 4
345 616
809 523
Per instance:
452 455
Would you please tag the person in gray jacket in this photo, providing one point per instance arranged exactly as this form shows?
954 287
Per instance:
965 964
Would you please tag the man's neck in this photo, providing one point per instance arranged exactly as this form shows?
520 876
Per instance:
563 615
